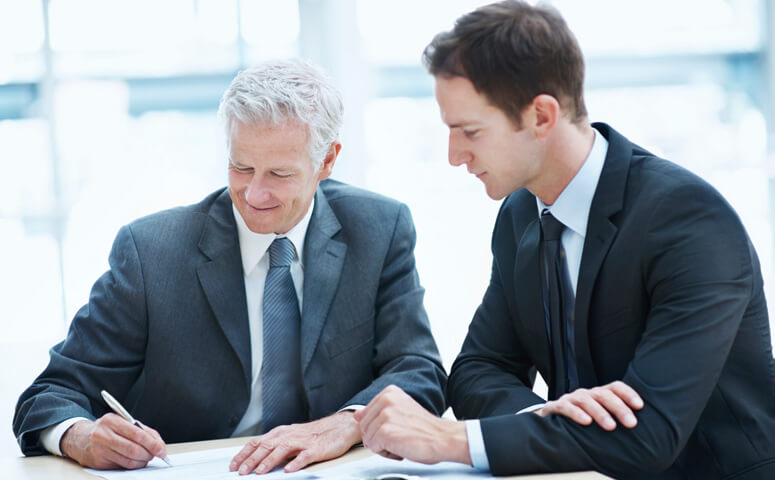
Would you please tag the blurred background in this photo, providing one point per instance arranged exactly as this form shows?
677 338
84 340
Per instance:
107 113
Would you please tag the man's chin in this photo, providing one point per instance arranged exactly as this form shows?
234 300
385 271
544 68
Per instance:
262 228
260 225
494 193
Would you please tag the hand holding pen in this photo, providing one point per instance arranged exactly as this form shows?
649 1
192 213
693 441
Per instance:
119 409
112 442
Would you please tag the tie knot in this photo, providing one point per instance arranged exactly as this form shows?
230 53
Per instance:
281 252
551 227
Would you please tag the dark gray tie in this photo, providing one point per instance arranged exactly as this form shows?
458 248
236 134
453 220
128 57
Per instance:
559 301
283 399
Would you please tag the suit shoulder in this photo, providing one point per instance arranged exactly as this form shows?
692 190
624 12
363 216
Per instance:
658 179
516 209
342 196
183 219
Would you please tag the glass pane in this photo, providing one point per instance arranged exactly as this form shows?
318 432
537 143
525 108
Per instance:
30 293
142 37
137 166
378 23
689 26
26 176
21 37
407 159
270 28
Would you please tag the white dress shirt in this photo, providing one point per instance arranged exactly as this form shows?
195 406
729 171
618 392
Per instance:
254 248
572 209
255 265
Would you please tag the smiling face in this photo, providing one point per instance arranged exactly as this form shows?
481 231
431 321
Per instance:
482 138
272 179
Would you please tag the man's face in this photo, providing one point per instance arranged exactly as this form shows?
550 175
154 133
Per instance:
272 179
482 138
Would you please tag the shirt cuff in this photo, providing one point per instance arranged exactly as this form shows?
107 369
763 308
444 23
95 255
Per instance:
532 408
51 436
351 408
476 445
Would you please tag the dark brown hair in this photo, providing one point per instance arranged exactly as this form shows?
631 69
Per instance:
512 52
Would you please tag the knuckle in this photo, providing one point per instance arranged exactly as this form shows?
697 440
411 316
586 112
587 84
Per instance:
286 445
135 452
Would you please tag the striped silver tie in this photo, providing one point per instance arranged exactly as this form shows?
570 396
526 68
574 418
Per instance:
283 398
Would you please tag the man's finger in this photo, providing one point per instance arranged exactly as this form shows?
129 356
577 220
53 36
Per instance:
275 457
109 438
595 409
158 442
304 458
628 394
249 464
125 461
370 430
567 408
366 416
133 434
614 404
240 457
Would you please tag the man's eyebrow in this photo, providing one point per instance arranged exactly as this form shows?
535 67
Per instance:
461 124
236 163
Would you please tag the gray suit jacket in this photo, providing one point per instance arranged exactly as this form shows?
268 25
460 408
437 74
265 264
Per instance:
166 328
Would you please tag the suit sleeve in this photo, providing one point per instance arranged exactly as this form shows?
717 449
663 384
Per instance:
104 349
700 275
405 353
492 375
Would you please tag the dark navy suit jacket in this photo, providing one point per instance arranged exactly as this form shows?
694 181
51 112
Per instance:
669 300
166 328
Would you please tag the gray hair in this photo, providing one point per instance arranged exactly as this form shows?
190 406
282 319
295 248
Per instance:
286 90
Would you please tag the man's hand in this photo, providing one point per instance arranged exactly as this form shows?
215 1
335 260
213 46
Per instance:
323 439
111 442
394 425
582 405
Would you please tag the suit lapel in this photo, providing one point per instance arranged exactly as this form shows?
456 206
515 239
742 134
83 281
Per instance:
222 279
527 282
323 262
601 231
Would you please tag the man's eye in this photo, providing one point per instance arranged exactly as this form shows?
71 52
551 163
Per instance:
470 133
240 169
281 174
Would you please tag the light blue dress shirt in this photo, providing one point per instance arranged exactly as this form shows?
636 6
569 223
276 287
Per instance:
572 209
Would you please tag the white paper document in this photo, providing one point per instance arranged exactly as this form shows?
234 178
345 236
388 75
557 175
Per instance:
201 465
376 467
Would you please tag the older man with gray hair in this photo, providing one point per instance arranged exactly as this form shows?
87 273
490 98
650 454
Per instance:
274 307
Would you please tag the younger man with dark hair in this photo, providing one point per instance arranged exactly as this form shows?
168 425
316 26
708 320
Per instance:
626 281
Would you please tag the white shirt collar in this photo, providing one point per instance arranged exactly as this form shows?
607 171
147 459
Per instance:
253 246
572 206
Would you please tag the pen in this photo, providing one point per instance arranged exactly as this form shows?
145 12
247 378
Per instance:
119 409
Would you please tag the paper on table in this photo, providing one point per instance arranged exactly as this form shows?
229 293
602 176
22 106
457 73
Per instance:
376 466
202 465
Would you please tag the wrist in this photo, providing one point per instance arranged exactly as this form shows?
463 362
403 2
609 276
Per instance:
455 444
68 444
346 419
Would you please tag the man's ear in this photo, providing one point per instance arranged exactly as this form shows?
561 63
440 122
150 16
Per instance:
327 167
545 114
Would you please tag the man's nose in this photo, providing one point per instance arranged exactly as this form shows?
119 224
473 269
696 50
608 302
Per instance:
457 154
257 193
